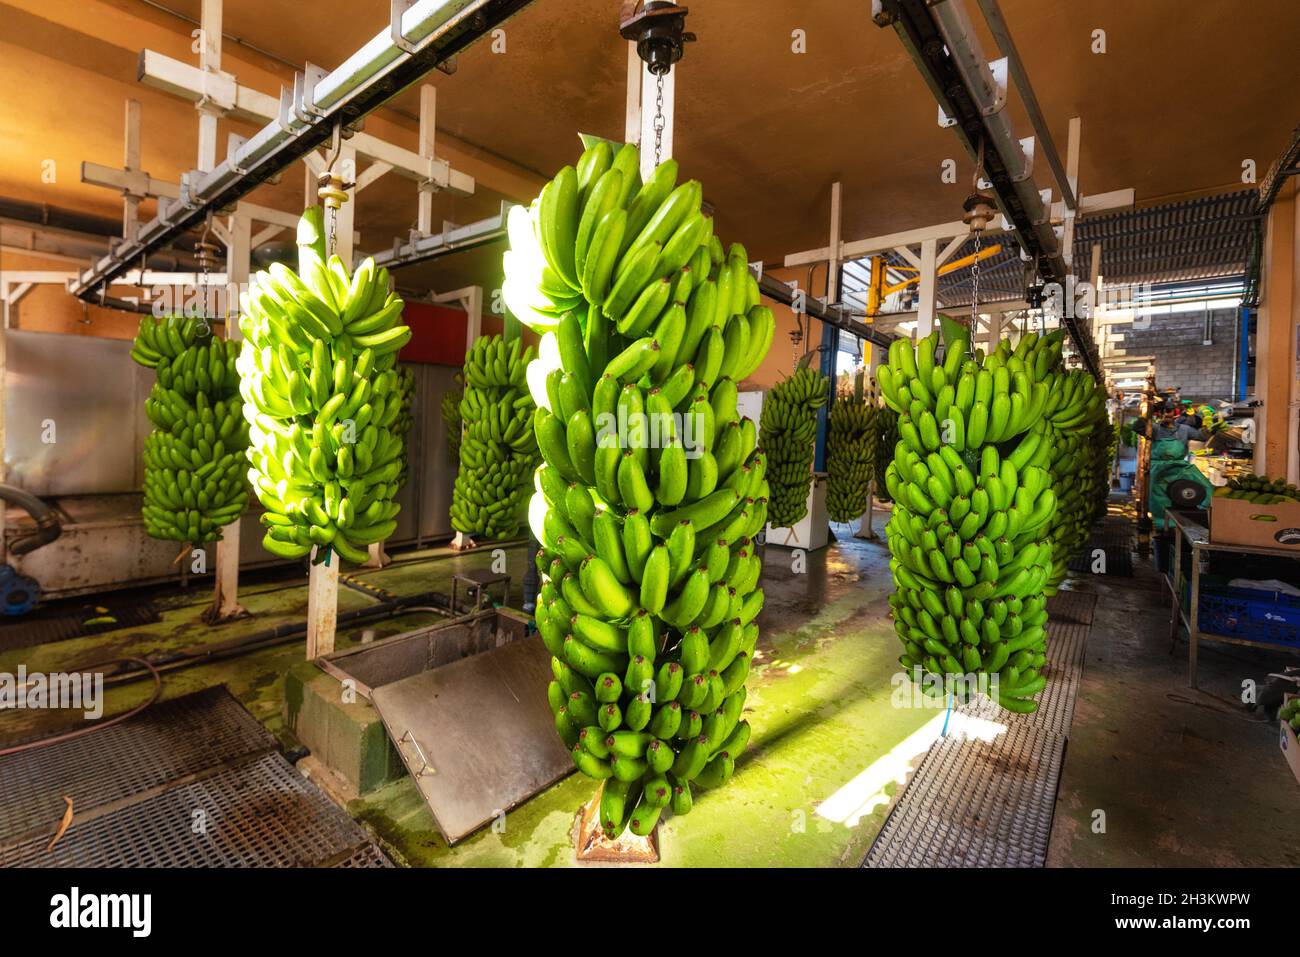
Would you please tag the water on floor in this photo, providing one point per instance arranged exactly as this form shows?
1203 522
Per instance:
1180 777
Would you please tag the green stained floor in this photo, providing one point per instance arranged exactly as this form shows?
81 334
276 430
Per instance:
256 679
1183 777
819 703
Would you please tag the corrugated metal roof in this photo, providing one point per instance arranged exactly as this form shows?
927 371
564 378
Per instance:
1204 238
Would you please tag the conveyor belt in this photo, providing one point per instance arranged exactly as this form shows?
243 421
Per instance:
191 782
989 803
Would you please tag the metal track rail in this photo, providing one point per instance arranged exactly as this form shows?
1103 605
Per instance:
452 239
836 316
942 43
422 36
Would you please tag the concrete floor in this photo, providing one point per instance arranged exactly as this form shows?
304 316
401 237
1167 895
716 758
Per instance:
1183 777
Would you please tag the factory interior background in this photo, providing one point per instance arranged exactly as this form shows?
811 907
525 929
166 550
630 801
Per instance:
492 433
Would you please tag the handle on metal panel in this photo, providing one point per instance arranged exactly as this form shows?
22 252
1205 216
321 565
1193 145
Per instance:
424 762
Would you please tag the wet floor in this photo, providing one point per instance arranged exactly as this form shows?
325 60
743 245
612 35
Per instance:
1155 774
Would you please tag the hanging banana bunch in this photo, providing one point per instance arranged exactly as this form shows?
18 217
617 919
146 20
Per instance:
498 451
652 487
1080 463
850 456
886 440
405 389
789 426
969 533
194 459
322 398
451 420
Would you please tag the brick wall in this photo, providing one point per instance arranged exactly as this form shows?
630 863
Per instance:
1202 372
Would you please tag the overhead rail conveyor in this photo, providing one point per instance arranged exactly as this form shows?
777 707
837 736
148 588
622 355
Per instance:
829 313
971 92
422 247
421 36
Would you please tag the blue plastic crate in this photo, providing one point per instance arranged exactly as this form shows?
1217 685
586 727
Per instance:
1251 613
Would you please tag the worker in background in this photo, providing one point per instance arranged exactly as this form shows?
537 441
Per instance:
1171 424
1188 415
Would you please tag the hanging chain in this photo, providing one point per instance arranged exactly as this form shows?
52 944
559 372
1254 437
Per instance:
331 190
660 121
979 243
206 250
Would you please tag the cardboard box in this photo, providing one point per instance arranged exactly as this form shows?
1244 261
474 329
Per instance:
1238 522
1290 745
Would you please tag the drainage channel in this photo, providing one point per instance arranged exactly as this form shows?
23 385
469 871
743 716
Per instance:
191 782
986 799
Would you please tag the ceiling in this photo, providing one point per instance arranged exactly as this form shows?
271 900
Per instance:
1182 96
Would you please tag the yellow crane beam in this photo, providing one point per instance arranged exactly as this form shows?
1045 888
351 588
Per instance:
879 290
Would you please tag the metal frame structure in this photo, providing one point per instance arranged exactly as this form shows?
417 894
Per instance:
1196 537
971 92
322 109
422 35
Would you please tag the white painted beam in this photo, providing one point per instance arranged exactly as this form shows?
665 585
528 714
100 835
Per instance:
428 139
225 596
860 249
188 82
925 306
131 164
833 266
632 114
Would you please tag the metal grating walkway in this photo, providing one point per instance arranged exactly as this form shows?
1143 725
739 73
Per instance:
989 803
1113 537
192 782
40 629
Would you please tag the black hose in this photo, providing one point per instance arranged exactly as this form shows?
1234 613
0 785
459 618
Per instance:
48 525
99 725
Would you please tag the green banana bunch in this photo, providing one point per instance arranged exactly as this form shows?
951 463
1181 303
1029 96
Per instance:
850 457
886 440
969 532
194 459
788 427
405 389
323 400
653 486
451 420
498 451
1259 489
166 338
1079 434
